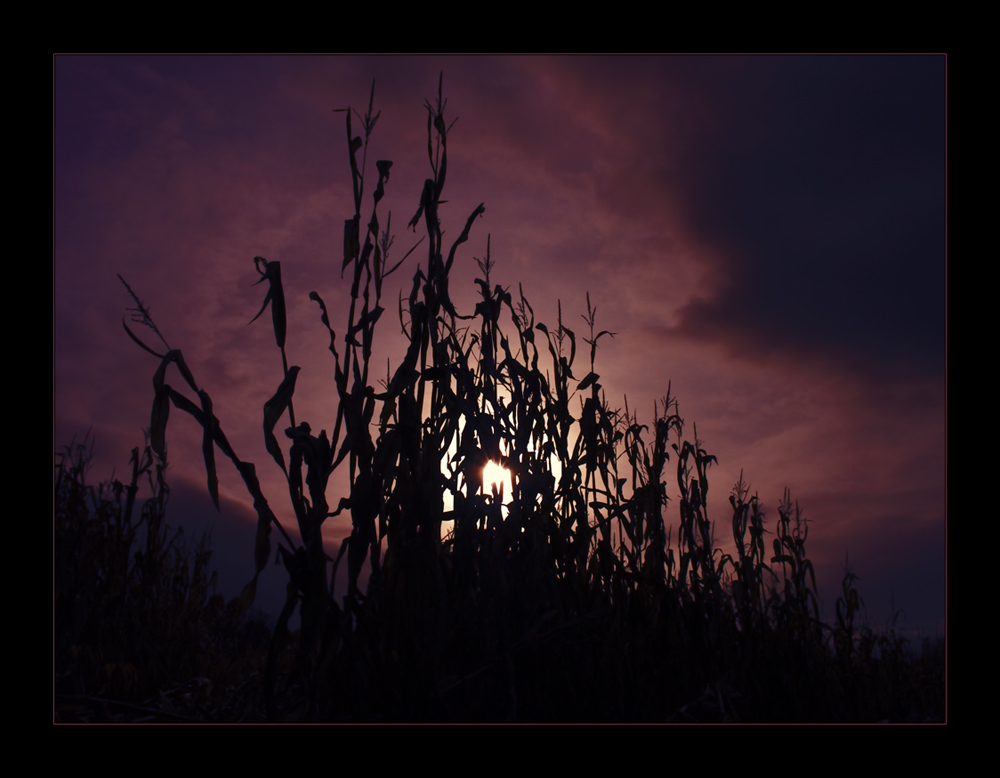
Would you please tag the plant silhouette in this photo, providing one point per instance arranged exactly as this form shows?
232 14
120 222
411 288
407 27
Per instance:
564 600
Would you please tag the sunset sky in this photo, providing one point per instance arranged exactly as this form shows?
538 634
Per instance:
766 233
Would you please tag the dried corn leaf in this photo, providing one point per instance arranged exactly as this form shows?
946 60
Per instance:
275 296
273 409
208 447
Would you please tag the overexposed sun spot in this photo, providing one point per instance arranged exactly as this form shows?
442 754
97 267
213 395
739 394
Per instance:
494 474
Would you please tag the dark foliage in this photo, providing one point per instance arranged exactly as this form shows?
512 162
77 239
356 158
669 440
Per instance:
568 599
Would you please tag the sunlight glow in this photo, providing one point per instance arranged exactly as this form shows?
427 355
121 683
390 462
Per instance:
500 476
493 474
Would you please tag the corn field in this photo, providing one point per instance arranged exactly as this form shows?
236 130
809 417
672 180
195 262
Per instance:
582 595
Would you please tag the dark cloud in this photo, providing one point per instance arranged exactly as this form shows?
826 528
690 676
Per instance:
823 192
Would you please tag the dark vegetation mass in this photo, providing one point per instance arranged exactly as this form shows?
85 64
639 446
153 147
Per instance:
567 600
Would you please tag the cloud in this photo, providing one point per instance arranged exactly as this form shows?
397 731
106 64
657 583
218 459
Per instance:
824 200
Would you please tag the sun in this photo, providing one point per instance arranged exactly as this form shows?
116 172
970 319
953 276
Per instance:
494 474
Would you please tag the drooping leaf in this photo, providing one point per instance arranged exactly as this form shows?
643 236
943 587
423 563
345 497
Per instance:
208 447
182 402
185 371
275 296
480 210
161 372
158 422
141 344
265 517
273 409
572 343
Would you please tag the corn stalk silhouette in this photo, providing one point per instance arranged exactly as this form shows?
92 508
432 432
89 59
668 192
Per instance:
575 543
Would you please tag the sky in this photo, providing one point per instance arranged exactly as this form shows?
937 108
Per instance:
766 234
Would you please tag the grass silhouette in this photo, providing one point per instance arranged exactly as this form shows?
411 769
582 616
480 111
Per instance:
567 600
139 632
